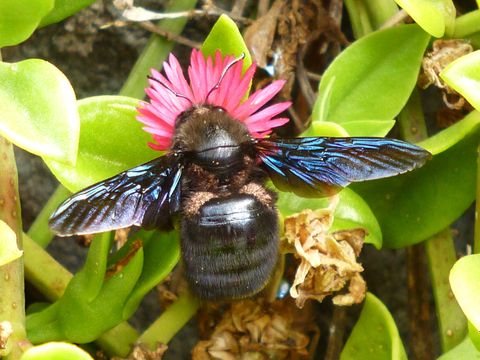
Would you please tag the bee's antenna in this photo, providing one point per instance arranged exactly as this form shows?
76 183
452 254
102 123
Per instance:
171 90
224 72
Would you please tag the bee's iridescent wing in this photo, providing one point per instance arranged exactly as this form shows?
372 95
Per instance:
321 166
146 195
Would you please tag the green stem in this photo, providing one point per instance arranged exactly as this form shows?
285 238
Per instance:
170 321
467 25
51 279
441 257
359 18
380 11
156 51
43 271
476 236
12 298
439 248
39 230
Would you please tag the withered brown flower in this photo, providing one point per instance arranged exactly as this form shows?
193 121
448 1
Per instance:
252 329
328 261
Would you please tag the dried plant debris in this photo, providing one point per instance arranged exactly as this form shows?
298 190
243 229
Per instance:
328 261
443 53
256 330
275 38
141 352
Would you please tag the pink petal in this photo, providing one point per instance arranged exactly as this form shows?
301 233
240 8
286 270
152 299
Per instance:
258 99
268 112
240 89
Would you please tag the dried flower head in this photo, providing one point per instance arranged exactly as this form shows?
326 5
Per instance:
442 54
328 261
252 330
217 82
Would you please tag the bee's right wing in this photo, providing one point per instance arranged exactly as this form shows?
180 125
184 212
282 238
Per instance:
146 195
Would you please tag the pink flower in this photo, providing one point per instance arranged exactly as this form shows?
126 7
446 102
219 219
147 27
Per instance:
171 95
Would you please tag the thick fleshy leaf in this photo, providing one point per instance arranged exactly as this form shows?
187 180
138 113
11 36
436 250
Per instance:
375 335
463 75
64 9
466 287
39 112
56 351
111 141
474 336
325 128
226 37
414 206
161 254
378 128
352 212
372 79
8 250
434 16
465 350
18 19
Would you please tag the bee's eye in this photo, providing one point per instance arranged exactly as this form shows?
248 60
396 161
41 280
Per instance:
219 109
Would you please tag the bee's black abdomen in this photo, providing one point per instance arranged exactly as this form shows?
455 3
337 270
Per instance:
230 247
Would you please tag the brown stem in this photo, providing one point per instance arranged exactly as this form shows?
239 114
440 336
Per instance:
336 333
421 341
168 35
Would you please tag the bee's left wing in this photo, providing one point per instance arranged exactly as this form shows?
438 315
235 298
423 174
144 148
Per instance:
146 195
321 166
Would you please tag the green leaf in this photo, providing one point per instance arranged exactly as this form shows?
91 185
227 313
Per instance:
111 141
39 112
372 79
375 335
352 212
466 286
162 253
226 37
434 16
414 206
9 250
18 19
474 336
465 350
64 9
378 128
56 351
325 128
463 75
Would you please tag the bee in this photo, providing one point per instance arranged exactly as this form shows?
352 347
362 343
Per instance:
213 176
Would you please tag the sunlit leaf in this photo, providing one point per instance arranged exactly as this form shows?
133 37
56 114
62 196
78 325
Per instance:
466 286
226 37
111 140
18 19
463 75
414 206
64 9
39 112
8 250
375 335
465 350
352 212
435 16
372 79
55 351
